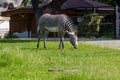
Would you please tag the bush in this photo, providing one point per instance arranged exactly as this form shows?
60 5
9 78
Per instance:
107 31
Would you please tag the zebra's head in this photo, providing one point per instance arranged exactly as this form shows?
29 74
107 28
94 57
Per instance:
73 39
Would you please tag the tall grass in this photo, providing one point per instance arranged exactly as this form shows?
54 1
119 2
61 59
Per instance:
20 60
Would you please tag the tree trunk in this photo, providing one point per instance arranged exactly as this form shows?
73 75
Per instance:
53 6
38 11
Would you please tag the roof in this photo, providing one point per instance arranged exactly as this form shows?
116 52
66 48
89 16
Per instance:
72 4
4 18
69 4
16 11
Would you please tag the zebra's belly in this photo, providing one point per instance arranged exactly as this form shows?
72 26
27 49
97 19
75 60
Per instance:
52 29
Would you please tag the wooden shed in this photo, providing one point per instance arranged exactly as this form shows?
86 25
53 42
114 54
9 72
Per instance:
21 20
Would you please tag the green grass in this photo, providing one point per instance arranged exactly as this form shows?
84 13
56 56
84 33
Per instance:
20 60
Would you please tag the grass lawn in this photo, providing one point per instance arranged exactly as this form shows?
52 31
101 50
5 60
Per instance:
20 60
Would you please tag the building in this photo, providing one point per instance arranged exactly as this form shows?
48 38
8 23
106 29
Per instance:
4 26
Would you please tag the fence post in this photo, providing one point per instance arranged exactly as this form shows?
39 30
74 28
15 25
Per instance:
117 22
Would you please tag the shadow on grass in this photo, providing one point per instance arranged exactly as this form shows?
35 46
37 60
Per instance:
43 49
15 41
31 49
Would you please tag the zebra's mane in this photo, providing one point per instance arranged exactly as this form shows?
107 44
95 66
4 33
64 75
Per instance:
73 26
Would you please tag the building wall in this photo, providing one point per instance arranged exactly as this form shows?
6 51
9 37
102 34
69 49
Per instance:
21 23
4 26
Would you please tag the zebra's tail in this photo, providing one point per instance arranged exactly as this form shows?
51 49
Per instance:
38 30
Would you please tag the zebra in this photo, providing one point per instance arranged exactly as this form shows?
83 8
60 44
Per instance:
60 23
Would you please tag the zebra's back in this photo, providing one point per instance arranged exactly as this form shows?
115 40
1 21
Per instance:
54 23
52 20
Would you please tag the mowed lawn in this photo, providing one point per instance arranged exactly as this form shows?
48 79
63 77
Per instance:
20 60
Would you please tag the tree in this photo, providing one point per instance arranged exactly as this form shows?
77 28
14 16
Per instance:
8 4
53 7
38 11
110 2
114 2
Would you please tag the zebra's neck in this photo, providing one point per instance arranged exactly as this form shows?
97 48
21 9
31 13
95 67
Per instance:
69 25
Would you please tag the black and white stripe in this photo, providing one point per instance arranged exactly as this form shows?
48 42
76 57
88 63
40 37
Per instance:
68 25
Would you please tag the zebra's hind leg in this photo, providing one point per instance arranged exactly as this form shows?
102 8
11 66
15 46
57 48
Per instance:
39 36
61 44
44 38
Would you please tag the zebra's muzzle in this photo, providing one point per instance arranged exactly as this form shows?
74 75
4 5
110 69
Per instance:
75 47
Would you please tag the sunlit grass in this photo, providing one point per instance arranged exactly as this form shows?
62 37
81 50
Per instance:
20 60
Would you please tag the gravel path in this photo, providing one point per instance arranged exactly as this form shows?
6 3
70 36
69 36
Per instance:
115 44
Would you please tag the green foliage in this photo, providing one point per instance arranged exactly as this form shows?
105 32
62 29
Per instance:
90 26
28 3
107 31
110 2
20 60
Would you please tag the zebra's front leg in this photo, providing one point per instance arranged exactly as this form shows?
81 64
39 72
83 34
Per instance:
44 40
61 45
